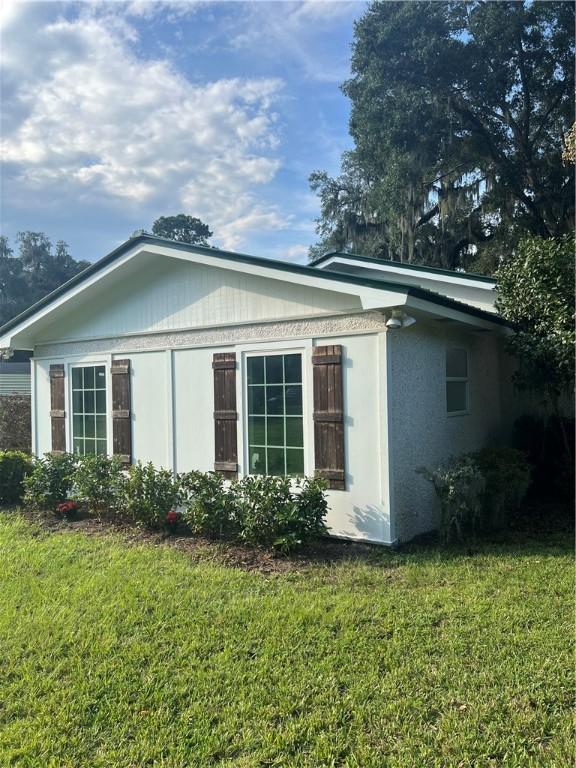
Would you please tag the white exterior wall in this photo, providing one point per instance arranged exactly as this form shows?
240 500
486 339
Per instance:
173 423
422 433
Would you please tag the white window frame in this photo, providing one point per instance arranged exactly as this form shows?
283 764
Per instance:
89 363
461 379
304 349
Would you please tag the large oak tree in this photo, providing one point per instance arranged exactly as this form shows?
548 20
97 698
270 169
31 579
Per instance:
458 116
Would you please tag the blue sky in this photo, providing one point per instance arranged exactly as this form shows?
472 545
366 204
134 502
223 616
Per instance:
115 113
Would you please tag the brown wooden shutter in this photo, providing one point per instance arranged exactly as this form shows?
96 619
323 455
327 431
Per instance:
121 411
225 414
57 405
328 415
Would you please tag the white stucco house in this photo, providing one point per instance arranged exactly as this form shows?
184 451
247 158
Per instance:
195 358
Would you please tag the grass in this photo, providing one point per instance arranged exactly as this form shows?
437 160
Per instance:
115 655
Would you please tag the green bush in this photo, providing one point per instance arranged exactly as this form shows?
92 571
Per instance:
274 513
210 506
479 490
98 482
15 466
50 481
507 479
459 488
149 494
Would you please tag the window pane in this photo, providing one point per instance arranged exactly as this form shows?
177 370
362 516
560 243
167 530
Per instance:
456 363
275 461
292 369
101 427
294 461
275 400
255 370
89 446
77 402
79 447
256 430
89 401
76 378
294 399
456 396
255 400
275 434
78 426
88 378
274 392
101 446
257 461
89 426
101 401
100 377
294 433
274 370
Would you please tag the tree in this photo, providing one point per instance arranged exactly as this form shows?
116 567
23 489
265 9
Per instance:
183 229
458 117
536 292
33 273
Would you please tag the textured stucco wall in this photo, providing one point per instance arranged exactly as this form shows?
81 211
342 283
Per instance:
421 431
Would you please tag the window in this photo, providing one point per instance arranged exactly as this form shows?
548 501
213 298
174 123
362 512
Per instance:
275 423
89 409
456 381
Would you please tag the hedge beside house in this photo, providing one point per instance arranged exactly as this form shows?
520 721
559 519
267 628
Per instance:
15 423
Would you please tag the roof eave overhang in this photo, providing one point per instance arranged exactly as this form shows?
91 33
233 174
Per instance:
20 332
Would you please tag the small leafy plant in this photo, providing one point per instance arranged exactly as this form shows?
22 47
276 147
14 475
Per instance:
150 494
98 482
459 487
50 481
479 490
507 477
273 512
210 505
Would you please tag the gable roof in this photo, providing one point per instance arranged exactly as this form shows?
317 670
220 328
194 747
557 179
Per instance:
401 265
269 264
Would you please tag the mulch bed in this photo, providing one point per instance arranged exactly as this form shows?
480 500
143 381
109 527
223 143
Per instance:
325 551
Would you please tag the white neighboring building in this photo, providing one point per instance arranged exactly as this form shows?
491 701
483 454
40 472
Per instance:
195 358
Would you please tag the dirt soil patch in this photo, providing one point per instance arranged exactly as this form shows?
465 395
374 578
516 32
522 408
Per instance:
325 551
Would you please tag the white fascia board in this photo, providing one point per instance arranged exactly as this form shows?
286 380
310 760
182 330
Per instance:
450 313
371 298
439 277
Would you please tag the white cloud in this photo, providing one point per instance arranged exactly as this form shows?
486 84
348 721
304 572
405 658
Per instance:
297 253
85 114
292 28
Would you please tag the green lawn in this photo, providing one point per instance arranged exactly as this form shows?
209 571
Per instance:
116 655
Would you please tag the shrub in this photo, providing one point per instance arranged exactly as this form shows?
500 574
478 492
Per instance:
273 513
210 506
479 490
459 488
50 481
98 482
507 479
14 468
149 494
544 442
